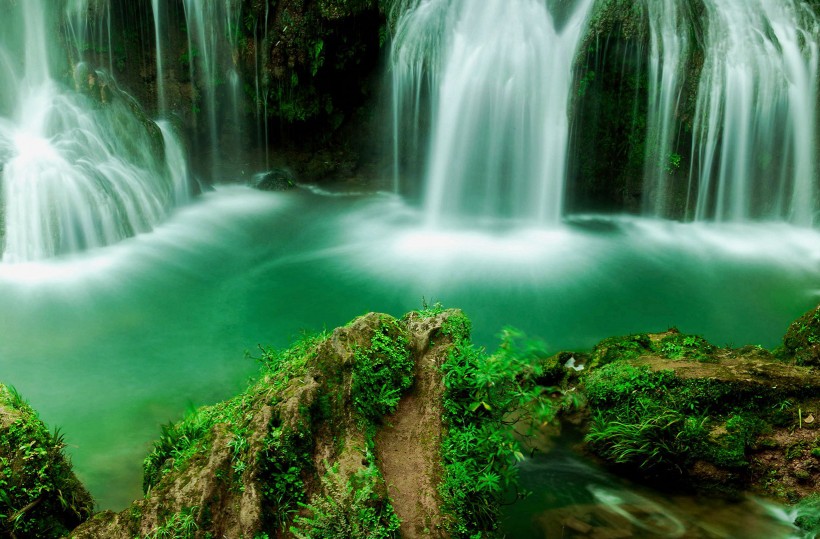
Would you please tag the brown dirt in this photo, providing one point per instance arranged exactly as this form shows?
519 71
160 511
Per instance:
783 466
408 447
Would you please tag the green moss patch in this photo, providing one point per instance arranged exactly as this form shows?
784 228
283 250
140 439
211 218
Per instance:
802 340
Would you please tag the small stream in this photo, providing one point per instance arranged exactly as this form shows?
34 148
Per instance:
572 498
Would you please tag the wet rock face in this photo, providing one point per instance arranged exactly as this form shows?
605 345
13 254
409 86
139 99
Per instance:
40 497
802 340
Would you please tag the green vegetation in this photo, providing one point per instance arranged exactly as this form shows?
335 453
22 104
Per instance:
485 396
381 372
284 454
319 55
662 424
802 340
679 346
39 494
671 345
350 509
180 525
312 390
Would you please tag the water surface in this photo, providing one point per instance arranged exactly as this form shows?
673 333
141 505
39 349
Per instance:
111 343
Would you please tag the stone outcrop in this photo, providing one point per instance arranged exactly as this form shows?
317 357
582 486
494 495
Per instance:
306 446
39 493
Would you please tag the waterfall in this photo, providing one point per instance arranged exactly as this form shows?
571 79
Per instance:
161 105
497 82
669 47
213 27
81 167
88 31
753 150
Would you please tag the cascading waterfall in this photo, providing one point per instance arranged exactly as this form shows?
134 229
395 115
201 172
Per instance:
88 29
754 127
669 46
162 106
499 81
78 171
212 31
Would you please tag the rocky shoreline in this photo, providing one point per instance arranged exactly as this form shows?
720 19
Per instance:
362 433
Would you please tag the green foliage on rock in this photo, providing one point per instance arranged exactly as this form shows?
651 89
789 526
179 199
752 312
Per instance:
676 345
802 340
352 508
181 525
670 345
326 393
40 497
318 56
663 424
626 17
485 396
382 372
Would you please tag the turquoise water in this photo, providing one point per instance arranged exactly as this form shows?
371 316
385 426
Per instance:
110 344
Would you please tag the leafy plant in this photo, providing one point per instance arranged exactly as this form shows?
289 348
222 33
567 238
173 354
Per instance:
284 456
181 525
353 509
647 437
177 443
678 346
485 396
381 372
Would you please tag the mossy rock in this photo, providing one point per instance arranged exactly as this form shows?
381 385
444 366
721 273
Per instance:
802 340
40 497
671 344
278 179
620 348
671 404
294 451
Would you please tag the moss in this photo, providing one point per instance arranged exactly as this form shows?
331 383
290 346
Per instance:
679 346
40 497
672 345
662 424
802 339
620 348
808 515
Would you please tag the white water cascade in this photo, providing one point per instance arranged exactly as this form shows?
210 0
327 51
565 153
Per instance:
88 29
162 106
213 28
80 169
498 81
668 49
755 123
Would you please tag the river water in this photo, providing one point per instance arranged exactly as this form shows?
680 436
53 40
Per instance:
110 343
